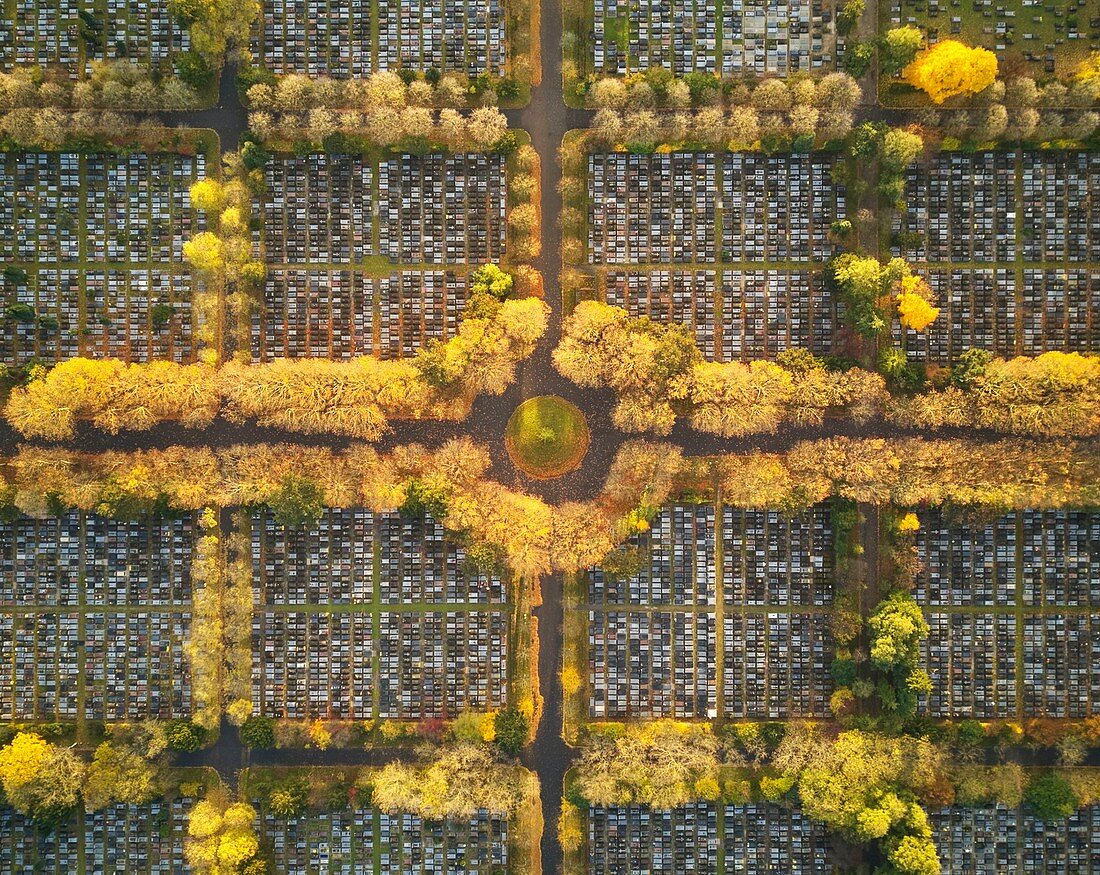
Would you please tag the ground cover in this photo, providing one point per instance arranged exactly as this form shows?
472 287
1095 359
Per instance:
546 437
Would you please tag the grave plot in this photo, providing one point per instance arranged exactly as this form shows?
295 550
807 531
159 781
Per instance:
99 240
777 584
143 839
322 38
652 208
751 290
652 637
411 209
658 637
340 314
1014 610
1029 37
366 840
1012 251
94 614
640 839
373 615
761 838
735 38
442 209
704 837
989 839
67 36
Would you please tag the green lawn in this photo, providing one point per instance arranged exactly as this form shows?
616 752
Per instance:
546 437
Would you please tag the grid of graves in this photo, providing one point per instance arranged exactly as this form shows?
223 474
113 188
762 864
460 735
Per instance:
669 641
1014 609
94 615
704 837
366 615
988 839
731 38
1012 247
93 245
366 840
147 839
1030 37
372 257
67 36
729 245
323 38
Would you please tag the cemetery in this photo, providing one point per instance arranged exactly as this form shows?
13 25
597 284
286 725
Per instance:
655 635
94 244
737 38
94 614
145 839
1013 605
366 615
319 38
1029 37
749 288
1011 245
65 37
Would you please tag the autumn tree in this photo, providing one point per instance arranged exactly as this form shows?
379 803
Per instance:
951 68
221 837
660 764
119 774
456 783
898 629
39 778
899 47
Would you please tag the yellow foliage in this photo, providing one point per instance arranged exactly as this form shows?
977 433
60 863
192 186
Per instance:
570 681
908 524
21 760
319 736
205 251
915 312
950 68
207 195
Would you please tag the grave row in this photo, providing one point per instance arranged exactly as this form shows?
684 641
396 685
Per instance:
1002 206
734 38
340 314
69 36
410 209
323 38
663 208
735 315
768 559
369 842
1009 312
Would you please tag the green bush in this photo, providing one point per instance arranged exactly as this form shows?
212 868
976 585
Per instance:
1051 796
258 732
512 728
184 735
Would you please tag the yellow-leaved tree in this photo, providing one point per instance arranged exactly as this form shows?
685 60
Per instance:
950 68
221 837
915 299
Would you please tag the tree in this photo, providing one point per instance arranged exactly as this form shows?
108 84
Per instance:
900 46
486 126
40 779
205 251
194 69
512 729
184 735
297 502
221 837
258 732
1051 796
900 148
915 303
951 68
456 783
118 774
